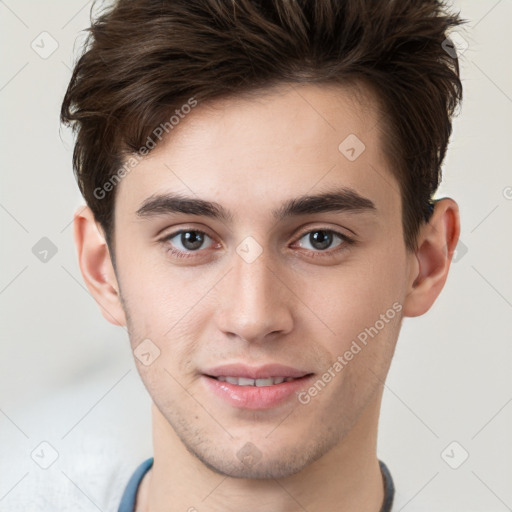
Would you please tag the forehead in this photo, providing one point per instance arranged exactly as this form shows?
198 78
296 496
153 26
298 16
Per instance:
252 152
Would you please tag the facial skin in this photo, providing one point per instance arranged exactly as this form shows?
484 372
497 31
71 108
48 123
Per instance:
295 304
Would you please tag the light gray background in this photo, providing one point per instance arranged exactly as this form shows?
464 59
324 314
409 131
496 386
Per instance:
67 376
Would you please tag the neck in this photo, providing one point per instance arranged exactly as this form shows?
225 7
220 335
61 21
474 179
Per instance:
346 478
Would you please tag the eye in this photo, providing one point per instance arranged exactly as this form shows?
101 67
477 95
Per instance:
186 241
319 240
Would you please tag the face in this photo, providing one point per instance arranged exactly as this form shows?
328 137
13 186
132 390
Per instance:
264 279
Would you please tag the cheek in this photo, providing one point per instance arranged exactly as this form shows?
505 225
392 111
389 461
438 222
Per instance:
156 294
352 297
167 316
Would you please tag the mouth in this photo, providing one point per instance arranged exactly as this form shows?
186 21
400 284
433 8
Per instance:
245 381
263 387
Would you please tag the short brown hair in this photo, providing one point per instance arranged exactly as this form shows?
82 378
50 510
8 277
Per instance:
144 59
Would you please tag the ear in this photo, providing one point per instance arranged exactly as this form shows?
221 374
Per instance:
430 263
96 265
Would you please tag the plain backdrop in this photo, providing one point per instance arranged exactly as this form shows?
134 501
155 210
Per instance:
67 377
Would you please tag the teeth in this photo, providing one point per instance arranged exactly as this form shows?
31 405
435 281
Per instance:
244 381
264 382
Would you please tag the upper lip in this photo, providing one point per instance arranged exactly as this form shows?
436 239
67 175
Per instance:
255 372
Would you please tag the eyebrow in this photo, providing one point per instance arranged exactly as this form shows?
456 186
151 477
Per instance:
339 200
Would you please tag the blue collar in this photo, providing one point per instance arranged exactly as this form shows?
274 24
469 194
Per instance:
130 493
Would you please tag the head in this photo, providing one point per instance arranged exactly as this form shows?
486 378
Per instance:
297 145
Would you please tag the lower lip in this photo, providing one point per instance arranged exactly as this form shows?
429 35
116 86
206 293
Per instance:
255 397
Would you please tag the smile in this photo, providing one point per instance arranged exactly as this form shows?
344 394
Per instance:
260 393
244 381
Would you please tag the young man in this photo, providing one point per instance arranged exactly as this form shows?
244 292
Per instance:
259 180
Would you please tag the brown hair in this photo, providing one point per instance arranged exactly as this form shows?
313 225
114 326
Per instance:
146 59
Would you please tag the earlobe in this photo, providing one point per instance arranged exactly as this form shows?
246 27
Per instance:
96 266
431 262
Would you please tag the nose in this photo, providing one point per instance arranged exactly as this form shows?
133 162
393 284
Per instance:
255 302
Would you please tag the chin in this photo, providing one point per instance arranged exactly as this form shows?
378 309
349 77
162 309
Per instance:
251 463
261 470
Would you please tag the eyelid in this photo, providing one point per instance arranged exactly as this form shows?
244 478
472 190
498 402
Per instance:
297 236
332 252
326 229
347 241
179 231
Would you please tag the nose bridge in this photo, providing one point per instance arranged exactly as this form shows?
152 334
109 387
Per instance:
255 302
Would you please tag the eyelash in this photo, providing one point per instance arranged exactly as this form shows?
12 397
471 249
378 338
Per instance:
346 243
